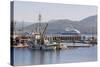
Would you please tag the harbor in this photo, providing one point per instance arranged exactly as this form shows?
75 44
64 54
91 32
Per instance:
85 43
39 47
39 39
57 41
50 33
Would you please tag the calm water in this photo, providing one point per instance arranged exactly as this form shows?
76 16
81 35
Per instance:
26 56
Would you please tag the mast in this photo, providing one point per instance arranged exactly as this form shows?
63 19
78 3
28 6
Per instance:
92 33
39 19
15 27
22 27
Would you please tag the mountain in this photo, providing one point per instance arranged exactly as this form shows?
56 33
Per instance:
18 25
86 25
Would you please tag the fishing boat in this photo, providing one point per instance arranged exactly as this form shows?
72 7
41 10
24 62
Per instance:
40 41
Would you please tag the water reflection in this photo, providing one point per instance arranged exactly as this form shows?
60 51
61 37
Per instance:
26 56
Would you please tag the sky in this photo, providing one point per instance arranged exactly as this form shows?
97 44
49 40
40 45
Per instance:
28 11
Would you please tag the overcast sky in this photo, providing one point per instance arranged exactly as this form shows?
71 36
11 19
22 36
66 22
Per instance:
28 11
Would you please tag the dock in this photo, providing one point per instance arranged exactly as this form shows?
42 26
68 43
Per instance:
76 44
21 46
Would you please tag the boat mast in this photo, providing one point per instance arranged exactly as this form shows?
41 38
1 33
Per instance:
39 19
15 27
23 27
92 33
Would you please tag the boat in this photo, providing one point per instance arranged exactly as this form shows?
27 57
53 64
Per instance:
38 39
